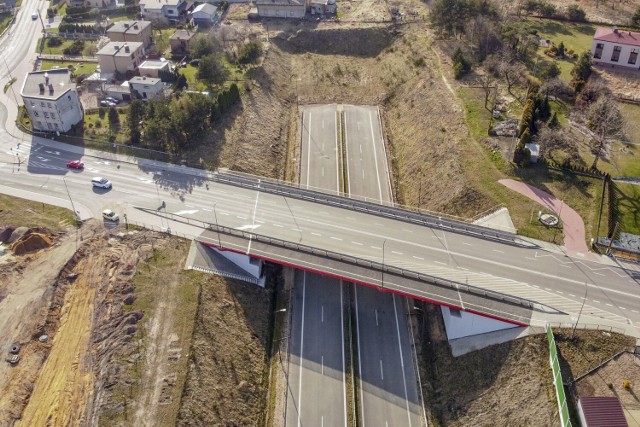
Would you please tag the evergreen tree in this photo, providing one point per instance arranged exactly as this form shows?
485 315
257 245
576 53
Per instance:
554 123
135 116
581 71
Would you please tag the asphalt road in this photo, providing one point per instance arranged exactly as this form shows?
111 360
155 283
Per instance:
319 148
317 394
388 384
542 275
367 171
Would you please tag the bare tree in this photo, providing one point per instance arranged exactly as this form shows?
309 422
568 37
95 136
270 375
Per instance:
488 84
554 139
605 122
511 70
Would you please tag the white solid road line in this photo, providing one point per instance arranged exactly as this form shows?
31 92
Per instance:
344 370
304 290
355 295
375 158
404 377
346 154
381 371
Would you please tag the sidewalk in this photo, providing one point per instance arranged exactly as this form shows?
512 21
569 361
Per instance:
572 223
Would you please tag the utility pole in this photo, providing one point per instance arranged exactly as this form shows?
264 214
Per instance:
69 194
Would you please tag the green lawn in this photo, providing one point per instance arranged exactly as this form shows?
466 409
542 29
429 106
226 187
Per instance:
57 50
191 73
575 36
628 196
78 67
478 117
5 20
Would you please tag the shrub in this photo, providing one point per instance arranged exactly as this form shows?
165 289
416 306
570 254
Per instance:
250 52
54 41
576 13
626 384
75 49
98 123
461 65
102 112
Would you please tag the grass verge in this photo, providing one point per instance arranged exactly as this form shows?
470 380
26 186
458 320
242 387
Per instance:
77 67
19 212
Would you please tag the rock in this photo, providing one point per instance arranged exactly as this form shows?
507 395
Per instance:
129 299
17 233
6 234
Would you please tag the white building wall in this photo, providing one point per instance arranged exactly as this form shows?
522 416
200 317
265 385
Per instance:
54 115
607 52
252 266
461 324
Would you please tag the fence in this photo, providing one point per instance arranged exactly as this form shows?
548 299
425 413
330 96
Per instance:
563 409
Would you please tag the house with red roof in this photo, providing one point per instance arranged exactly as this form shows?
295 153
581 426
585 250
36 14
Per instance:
616 48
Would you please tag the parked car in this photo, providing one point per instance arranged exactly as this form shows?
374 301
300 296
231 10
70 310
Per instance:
111 99
75 164
101 182
110 215
105 103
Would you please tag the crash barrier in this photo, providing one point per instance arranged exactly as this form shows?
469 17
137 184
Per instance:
563 409
387 210
458 286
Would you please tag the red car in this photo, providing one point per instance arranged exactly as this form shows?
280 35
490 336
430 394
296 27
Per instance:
75 164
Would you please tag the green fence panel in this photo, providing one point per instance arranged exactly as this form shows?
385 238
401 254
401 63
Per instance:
563 409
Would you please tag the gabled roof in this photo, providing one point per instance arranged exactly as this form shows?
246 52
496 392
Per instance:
182 35
207 8
602 412
613 35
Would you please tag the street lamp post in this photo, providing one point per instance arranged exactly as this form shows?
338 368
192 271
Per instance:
215 214
383 244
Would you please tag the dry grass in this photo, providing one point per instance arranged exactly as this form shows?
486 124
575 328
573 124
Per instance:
26 213
226 384
606 11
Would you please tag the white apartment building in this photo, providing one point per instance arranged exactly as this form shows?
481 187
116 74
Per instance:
118 57
51 100
616 48
153 10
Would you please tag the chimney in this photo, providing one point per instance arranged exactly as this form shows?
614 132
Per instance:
46 78
126 25
135 27
41 86
126 48
50 89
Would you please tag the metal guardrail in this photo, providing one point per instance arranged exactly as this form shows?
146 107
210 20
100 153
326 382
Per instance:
450 284
389 211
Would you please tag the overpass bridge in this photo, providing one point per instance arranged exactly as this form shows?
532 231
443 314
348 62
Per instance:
434 258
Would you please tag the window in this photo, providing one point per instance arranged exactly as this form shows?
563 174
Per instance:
46 115
132 56
53 116
616 54
33 104
35 113
69 97
39 124
50 126
49 104
56 126
42 104
598 52
633 56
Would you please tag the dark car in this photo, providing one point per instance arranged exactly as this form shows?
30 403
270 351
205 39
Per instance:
75 164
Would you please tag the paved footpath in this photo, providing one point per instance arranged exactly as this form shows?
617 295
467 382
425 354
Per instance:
572 224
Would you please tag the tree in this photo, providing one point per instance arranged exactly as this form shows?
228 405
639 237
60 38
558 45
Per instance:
547 70
606 122
512 71
487 86
204 46
635 18
134 119
560 51
554 123
581 71
250 52
461 65
114 117
576 13
212 71
448 16
552 139
544 109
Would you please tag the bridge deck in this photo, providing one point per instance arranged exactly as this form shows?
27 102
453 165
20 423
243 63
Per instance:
391 280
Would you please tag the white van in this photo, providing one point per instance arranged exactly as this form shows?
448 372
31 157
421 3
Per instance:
101 182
